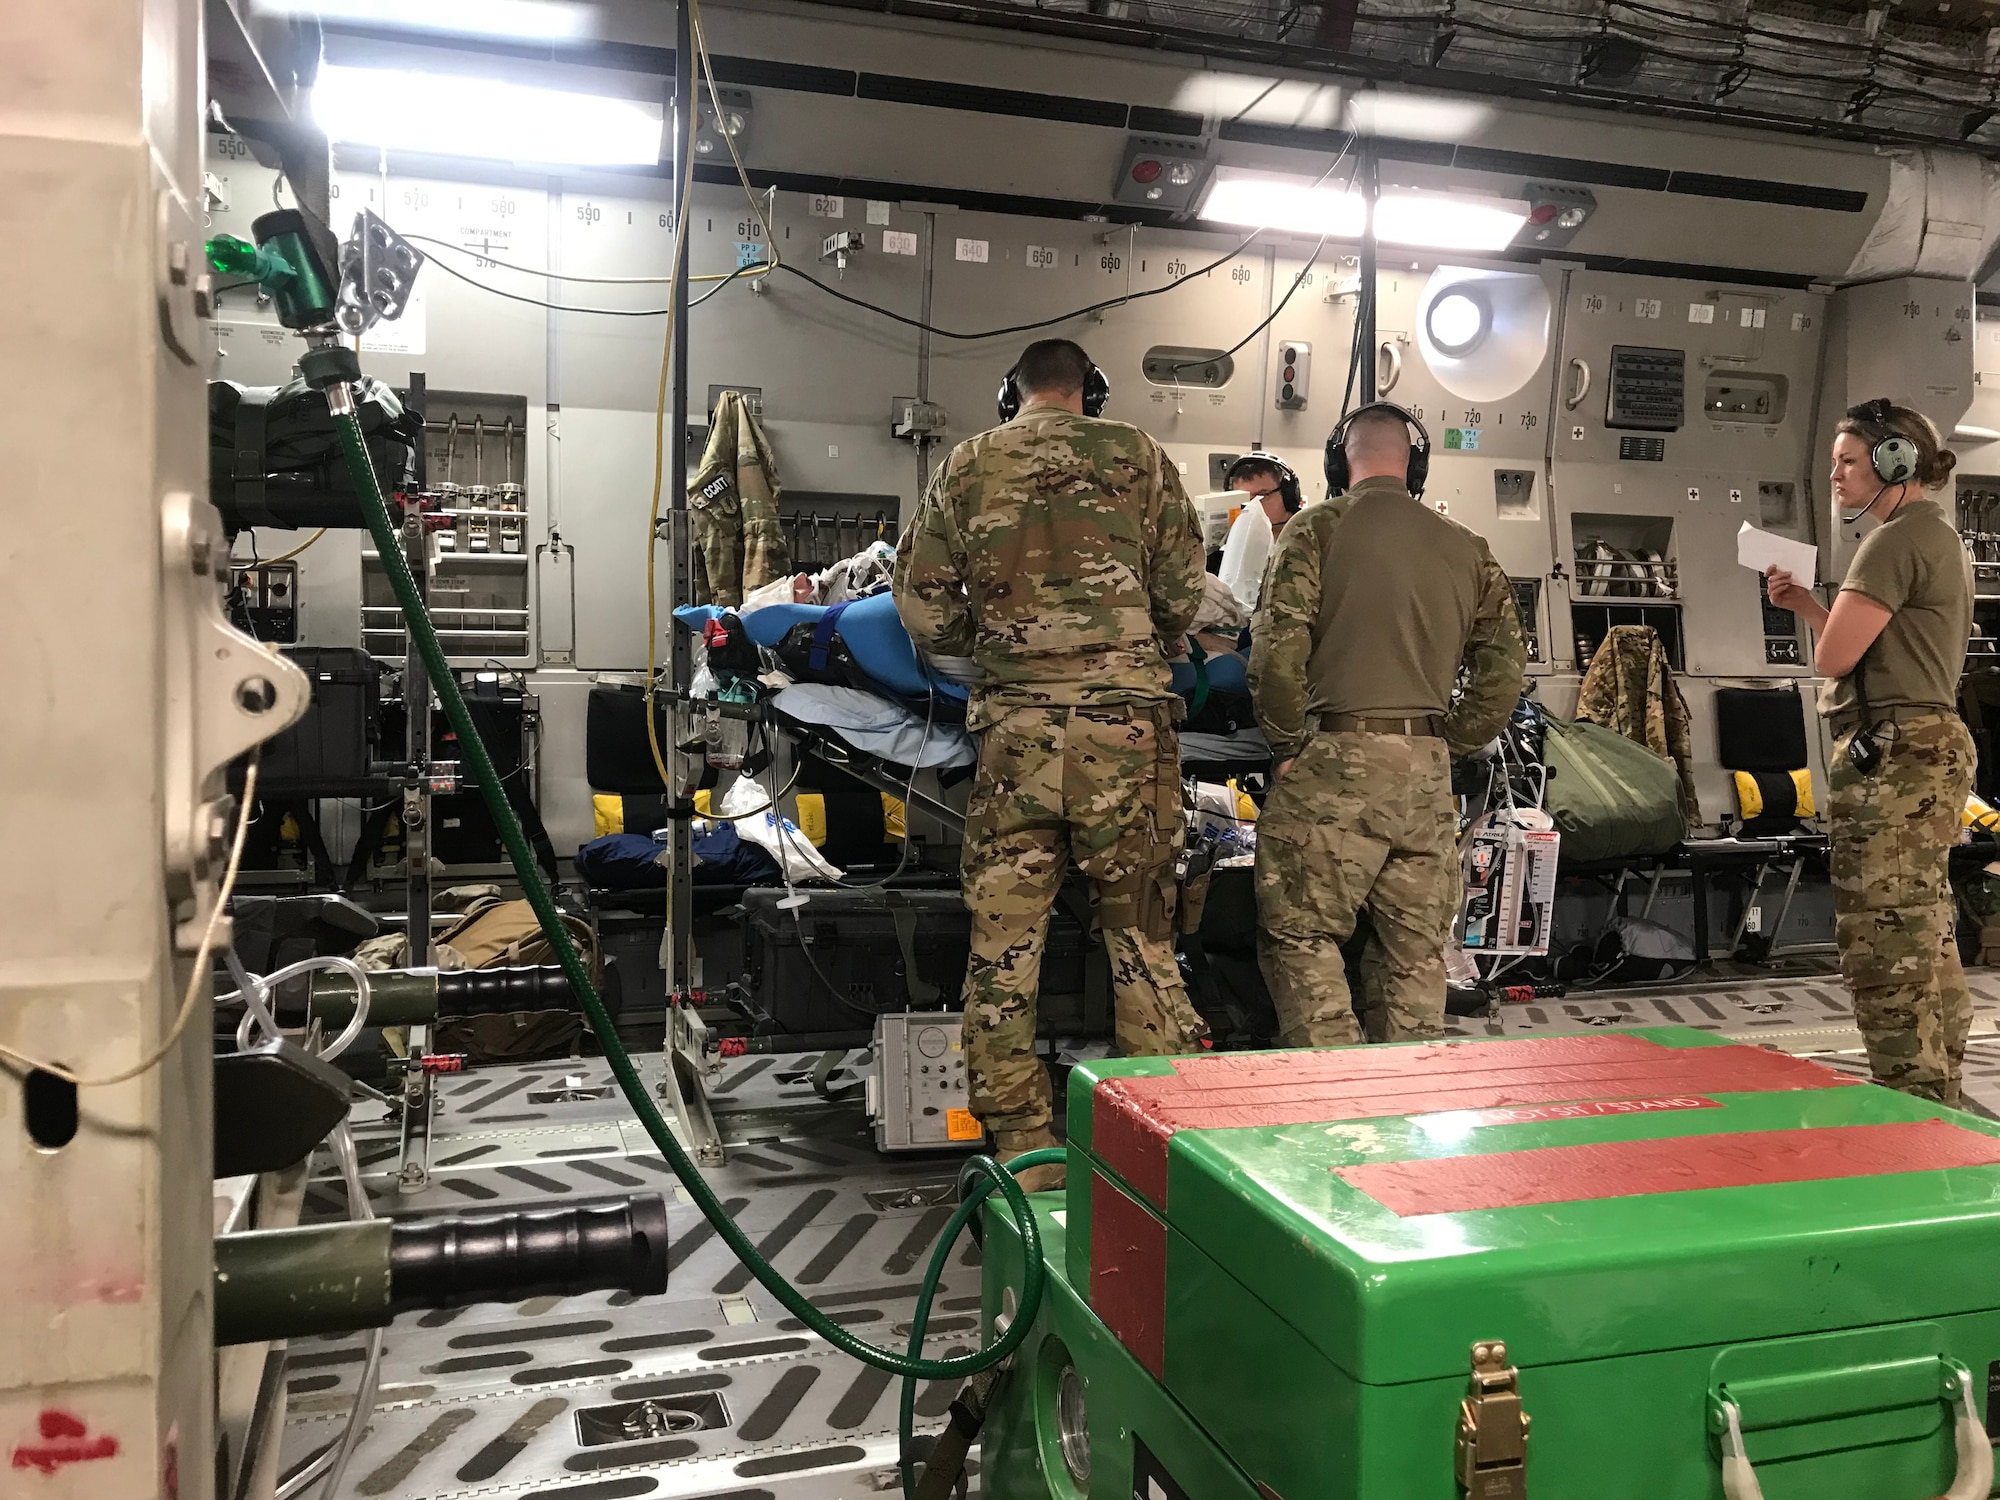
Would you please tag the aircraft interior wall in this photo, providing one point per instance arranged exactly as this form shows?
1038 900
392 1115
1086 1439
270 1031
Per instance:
1740 289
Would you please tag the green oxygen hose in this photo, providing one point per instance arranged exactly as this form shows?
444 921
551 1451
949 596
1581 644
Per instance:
910 1366
973 1191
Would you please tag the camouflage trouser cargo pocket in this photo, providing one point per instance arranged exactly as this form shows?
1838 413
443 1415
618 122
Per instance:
1122 786
1056 784
1359 820
1894 915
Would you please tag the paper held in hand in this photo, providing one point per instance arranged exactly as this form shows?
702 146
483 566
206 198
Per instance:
1760 550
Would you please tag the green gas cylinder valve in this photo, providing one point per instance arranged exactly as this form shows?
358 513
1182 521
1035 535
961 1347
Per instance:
263 264
231 256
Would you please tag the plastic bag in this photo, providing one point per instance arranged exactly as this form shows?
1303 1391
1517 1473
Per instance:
791 848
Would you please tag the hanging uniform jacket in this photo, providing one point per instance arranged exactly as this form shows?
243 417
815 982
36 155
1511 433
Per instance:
1630 688
733 509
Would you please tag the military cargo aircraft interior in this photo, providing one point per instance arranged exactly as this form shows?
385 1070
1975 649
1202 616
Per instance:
1045 749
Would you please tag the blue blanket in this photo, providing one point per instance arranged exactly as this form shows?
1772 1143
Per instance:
1226 674
871 628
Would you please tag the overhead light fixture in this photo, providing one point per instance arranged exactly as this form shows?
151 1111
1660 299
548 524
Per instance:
1555 212
455 114
1404 216
1448 221
714 134
1278 200
531 20
1160 172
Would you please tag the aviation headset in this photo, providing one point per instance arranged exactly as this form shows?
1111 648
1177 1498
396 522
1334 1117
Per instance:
1096 391
1289 490
1895 456
1419 471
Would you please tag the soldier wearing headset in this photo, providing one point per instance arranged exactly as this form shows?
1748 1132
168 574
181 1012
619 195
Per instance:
1891 650
1270 481
1374 605
1060 552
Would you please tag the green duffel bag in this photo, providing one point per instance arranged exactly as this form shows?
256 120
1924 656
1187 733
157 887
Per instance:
1611 797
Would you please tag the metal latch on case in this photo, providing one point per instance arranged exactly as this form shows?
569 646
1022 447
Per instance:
1493 1429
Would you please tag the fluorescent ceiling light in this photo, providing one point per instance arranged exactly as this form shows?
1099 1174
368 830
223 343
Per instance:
1448 221
537 20
452 114
1273 200
1431 221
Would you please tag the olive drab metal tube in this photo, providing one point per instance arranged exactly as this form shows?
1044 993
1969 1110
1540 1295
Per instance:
402 997
288 1283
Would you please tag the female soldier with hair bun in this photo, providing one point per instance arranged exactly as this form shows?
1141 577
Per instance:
1891 650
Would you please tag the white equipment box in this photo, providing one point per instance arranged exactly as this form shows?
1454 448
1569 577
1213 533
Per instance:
917 1093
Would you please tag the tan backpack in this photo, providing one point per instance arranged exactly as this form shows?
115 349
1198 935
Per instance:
497 934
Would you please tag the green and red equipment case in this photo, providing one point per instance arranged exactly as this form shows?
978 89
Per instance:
1351 1274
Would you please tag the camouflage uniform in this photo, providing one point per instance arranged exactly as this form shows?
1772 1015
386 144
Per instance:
1060 552
1629 688
1895 917
1365 818
739 543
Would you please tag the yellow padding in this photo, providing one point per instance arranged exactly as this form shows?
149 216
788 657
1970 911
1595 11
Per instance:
608 812
1750 798
812 818
1246 807
1979 813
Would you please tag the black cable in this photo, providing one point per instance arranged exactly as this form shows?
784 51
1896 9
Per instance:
755 265
917 323
608 312
994 333
1297 282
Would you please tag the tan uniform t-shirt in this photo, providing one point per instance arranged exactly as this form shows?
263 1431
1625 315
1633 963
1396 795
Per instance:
1915 566
1371 604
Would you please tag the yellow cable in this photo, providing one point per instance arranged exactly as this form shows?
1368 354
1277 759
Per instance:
685 206
260 562
197 975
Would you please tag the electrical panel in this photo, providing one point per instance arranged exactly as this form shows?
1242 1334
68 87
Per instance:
1734 396
1514 493
1294 375
1648 389
264 600
1181 365
1781 631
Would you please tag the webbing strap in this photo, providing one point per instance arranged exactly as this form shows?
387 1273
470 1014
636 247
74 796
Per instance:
822 646
923 994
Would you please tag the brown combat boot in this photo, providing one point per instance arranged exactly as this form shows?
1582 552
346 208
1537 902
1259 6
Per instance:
1008 1144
